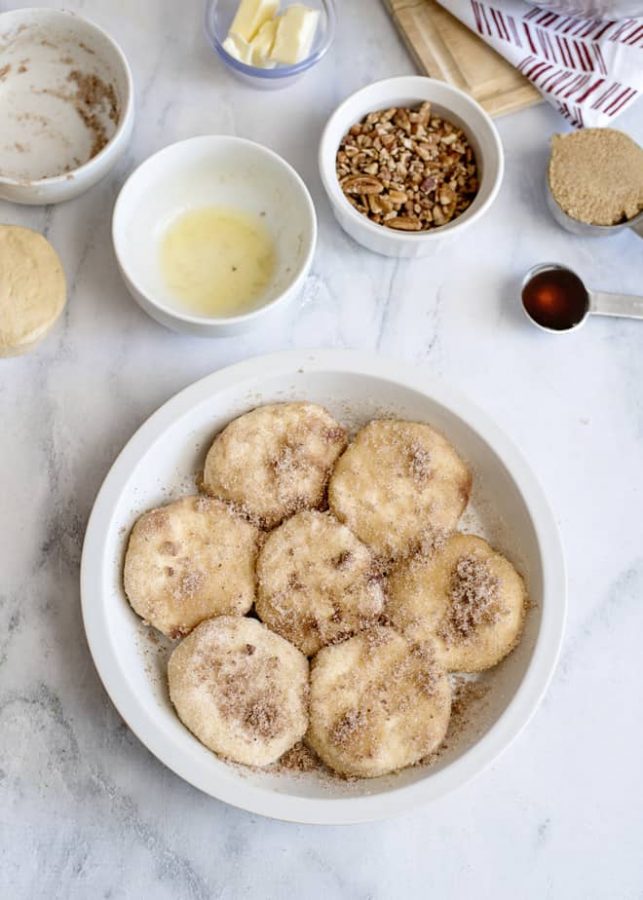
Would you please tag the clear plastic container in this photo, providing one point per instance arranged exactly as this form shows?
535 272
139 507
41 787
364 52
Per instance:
218 18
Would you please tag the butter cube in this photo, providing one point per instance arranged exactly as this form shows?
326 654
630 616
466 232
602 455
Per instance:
262 44
295 33
240 49
250 17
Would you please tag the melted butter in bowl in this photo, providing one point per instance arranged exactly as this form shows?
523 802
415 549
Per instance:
218 261
214 234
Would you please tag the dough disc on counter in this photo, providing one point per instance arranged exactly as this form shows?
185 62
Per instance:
32 289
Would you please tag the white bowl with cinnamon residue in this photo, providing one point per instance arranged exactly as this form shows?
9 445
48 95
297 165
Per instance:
507 507
66 105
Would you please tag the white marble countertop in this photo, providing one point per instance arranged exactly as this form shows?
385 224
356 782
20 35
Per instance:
85 810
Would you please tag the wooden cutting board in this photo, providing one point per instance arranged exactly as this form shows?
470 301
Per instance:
444 48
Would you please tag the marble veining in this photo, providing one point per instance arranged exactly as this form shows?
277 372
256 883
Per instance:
85 810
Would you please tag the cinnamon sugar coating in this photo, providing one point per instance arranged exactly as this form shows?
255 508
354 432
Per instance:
466 597
242 690
190 560
397 484
274 461
378 703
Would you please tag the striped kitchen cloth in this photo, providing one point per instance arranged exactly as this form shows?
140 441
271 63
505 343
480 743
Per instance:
591 70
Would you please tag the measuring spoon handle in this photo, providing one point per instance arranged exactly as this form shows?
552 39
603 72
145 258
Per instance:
626 305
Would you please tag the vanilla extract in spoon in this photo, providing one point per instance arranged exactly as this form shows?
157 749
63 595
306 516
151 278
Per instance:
555 299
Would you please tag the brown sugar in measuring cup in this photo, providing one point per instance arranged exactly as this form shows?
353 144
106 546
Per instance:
594 184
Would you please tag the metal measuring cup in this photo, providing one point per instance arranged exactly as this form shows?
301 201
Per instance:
597 303
582 228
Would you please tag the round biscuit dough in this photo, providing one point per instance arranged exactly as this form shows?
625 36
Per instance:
240 689
398 484
378 703
33 289
190 560
316 582
484 626
274 461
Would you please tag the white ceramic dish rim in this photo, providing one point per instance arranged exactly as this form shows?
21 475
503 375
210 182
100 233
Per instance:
331 184
261 800
128 104
218 320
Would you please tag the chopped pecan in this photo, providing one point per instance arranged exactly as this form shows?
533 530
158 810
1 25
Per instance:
398 197
362 184
407 169
446 195
405 223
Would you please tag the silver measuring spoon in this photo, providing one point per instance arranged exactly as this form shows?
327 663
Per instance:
582 228
555 299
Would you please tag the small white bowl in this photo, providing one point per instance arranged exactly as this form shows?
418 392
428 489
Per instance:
48 137
213 170
160 463
447 101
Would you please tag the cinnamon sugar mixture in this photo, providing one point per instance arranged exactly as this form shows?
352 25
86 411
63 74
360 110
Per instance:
474 593
300 758
246 692
95 101
431 541
469 697
346 727
94 97
420 462
427 679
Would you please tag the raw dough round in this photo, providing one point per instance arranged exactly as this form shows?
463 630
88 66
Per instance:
378 703
33 289
274 460
316 582
190 560
466 597
398 484
240 689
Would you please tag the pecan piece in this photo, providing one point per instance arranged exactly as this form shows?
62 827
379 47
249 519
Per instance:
397 197
375 203
362 184
405 223
438 215
446 195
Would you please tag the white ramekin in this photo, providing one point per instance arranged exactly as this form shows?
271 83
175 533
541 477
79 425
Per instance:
447 101
212 170
83 40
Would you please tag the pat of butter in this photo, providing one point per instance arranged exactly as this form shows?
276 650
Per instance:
262 44
240 49
250 17
295 33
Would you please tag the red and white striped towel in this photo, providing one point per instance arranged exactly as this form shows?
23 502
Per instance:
591 70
